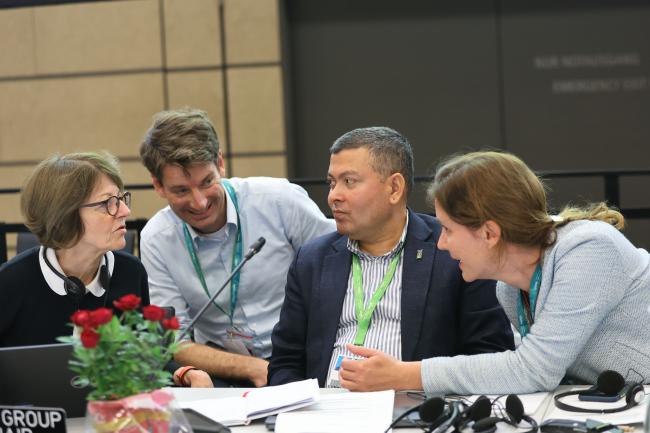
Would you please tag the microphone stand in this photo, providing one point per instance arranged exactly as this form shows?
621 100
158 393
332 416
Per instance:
254 249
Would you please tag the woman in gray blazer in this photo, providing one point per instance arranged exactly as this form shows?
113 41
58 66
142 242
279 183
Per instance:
572 285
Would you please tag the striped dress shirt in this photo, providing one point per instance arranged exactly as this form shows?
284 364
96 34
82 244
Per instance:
384 332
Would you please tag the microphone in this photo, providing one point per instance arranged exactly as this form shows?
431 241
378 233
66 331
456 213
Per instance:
429 411
254 249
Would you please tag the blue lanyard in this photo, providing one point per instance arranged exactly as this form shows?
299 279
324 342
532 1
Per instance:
236 256
535 283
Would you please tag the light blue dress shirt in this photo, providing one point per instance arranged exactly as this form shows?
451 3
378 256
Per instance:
279 211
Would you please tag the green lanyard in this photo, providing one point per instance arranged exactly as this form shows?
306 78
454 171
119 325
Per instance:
364 315
236 256
535 283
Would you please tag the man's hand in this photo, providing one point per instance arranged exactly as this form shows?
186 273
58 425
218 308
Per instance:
258 371
198 379
378 372
222 364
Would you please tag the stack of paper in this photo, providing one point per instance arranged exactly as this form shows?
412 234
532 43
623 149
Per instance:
257 403
359 412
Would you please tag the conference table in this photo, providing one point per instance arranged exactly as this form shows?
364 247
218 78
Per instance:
543 409
77 425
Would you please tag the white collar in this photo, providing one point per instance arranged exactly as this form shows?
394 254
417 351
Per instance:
56 283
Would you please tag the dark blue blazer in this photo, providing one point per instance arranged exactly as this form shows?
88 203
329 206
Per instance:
441 314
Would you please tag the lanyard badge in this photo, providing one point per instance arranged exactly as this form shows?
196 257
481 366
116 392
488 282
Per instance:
238 341
362 313
535 283
236 256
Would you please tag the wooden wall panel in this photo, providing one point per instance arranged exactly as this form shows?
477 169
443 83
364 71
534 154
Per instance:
192 33
97 36
38 118
90 76
252 31
273 166
12 176
204 90
17 42
256 109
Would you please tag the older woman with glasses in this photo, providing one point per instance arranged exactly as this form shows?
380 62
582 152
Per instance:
77 207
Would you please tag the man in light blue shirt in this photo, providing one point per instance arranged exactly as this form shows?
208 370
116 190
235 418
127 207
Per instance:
191 246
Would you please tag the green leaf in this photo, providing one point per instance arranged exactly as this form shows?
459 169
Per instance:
129 358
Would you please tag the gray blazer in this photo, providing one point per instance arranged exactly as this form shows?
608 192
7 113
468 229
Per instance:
591 315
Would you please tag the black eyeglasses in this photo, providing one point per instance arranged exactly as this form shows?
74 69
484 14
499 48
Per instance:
112 204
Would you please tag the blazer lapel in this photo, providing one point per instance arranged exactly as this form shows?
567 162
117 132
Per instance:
419 253
333 286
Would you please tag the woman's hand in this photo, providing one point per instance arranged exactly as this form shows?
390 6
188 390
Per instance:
377 372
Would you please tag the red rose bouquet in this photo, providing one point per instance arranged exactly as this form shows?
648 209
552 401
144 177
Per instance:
125 356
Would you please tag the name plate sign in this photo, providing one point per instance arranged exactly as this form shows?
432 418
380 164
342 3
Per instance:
30 419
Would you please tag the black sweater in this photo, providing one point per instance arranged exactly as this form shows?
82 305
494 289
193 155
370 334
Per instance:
31 313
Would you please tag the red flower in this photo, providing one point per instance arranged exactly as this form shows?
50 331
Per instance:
81 318
171 323
89 338
127 302
101 316
153 313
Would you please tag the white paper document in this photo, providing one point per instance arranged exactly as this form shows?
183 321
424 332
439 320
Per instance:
257 403
359 412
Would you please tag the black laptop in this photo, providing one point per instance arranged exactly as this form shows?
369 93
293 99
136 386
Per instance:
39 376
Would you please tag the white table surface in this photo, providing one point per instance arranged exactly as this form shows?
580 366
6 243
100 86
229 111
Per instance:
76 425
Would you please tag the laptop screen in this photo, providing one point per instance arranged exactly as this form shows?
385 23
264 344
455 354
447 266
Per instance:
39 376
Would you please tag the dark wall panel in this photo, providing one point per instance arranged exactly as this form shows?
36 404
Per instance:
565 85
427 71
577 85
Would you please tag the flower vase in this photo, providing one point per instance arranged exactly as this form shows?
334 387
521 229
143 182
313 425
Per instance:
150 412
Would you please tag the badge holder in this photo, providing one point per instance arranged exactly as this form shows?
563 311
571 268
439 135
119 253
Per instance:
333 381
238 341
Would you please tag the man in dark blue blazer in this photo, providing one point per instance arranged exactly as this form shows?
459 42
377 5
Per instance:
426 309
